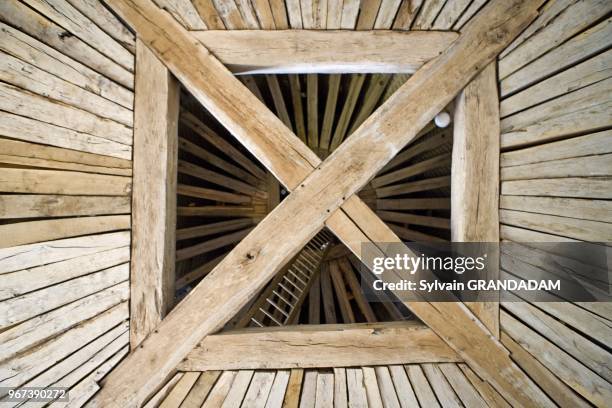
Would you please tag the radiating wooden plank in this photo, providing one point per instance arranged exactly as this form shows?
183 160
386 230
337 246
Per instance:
580 47
594 210
340 390
308 346
592 144
200 389
586 166
407 218
27 48
185 13
180 390
427 14
309 51
440 385
239 387
292 396
277 392
330 110
406 14
29 333
405 394
586 73
20 102
440 161
387 389
62 182
341 294
597 187
570 21
212 228
211 244
18 309
32 130
17 371
34 155
421 387
561 393
449 14
466 392
219 392
29 232
259 389
28 21
325 390
312 110
45 205
571 371
214 195
347 111
207 11
356 390
22 74
386 14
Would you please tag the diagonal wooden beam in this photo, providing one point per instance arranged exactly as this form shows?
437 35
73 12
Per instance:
263 252
310 346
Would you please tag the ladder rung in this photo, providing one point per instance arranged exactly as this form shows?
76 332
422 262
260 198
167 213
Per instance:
256 322
288 291
293 284
297 277
276 307
283 299
271 317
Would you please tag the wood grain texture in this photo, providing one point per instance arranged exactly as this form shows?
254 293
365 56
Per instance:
154 197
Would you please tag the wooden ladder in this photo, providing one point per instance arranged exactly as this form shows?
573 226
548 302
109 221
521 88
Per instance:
279 304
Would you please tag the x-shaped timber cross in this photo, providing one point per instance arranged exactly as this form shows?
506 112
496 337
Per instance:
322 194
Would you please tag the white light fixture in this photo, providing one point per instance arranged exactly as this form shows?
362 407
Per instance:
442 119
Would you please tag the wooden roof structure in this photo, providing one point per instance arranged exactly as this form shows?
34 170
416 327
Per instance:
186 186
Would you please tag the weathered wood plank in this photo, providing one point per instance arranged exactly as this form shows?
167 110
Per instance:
27 20
597 187
594 210
29 232
62 182
308 51
44 205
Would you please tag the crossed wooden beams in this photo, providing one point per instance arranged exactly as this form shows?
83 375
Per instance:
322 194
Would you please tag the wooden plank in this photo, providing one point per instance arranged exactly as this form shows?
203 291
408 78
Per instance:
598 187
292 396
17 371
594 210
30 333
279 387
475 177
20 102
184 12
314 302
185 167
407 218
414 204
456 77
28 256
414 186
212 228
298 111
585 230
330 110
312 110
279 102
488 393
29 49
214 195
356 390
441 161
405 394
592 144
581 348
63 182
444 392
371 386
259 389
27 280
340 390
44 205
29 232
581 111
215 211
586 73
584 45
347 111
219 392
209 14
586 166
466 392
32 130
309 389
350 10
341 295
180 390
325 390
570 21
387 389
427 14
216 161
33 155
28 21
571 371
405 15
238 389
551 384
377 85
449 14
386 14
421 387
22 74
308 51
211 244
154 195
18 309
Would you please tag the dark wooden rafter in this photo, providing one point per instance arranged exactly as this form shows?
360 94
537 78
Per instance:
483 38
